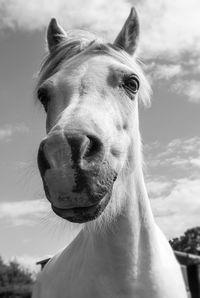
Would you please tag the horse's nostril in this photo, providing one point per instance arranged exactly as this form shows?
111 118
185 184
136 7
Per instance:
43 163
83 146
94 147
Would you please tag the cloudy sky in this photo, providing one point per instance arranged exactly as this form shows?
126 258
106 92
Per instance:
170 49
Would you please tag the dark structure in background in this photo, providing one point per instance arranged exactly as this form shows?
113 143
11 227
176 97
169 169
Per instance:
190 265
43 262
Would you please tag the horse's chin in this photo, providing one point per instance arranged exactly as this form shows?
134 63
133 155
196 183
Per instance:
83 214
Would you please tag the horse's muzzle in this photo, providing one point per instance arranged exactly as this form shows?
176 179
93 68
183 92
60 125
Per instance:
76 175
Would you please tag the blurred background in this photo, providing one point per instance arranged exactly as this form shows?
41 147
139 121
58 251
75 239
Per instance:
170 49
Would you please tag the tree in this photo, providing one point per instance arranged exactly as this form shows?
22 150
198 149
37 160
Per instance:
15 281
189 242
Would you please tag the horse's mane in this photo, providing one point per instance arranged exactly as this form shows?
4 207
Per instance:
78 43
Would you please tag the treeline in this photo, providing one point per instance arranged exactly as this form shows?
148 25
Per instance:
189 242
15 281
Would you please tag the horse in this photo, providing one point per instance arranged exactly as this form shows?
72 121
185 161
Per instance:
91 166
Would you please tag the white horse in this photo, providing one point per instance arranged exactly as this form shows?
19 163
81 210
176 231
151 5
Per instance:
91 166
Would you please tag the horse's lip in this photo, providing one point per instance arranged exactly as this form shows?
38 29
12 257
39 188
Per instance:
63 212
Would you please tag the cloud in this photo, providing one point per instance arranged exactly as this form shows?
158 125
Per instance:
8 130
179 152
185 163
195 162
170 27
180 77
186 146
166 71
37 212
193 64
156 188
23 212
190 88
173 184
162 72
35 14
179 210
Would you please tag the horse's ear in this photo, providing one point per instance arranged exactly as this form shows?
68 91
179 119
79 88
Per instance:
55 34
127 39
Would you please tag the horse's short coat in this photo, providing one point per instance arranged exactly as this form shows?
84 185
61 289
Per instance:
91 166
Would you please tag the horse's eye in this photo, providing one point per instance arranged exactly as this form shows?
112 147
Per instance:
43 97
131 84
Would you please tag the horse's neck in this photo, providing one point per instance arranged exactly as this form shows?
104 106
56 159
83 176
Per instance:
128 239
131 255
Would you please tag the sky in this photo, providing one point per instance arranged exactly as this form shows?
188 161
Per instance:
170 128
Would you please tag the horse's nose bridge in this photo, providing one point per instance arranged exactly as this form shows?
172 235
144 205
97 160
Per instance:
78 145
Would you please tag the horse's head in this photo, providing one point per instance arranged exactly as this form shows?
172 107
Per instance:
89 90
